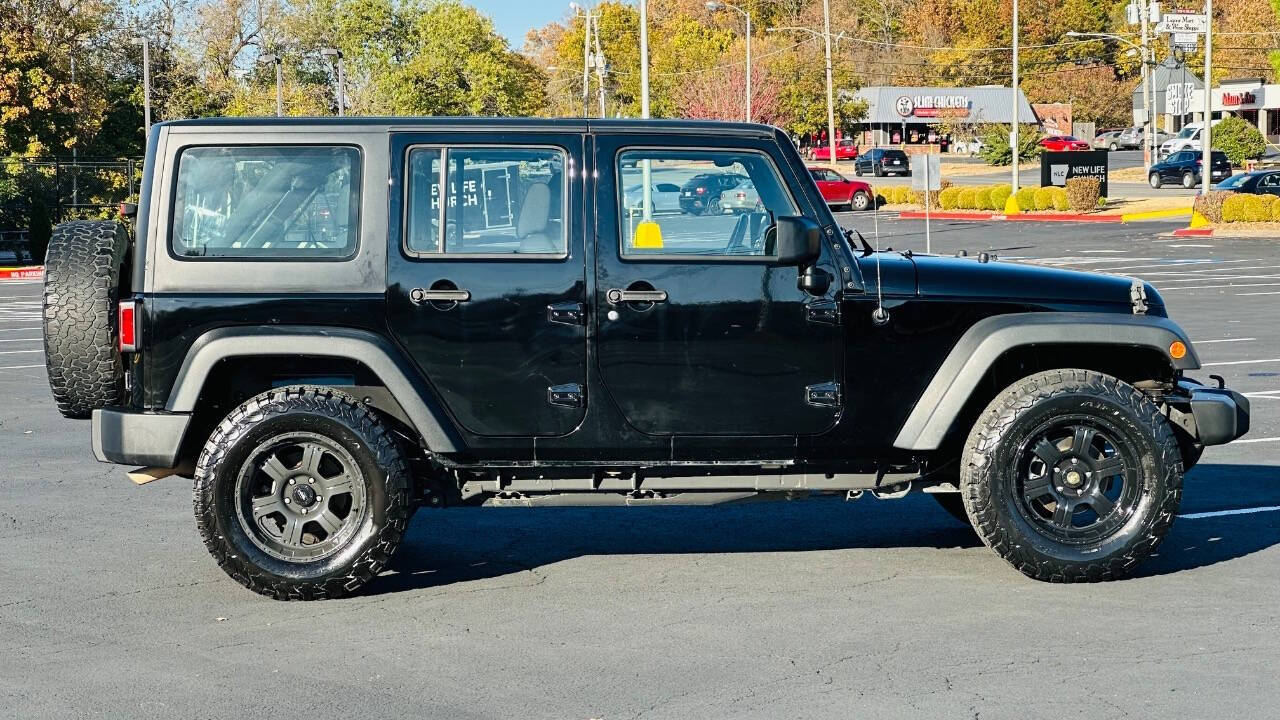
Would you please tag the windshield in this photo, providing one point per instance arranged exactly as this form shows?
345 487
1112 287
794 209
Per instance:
1233 181
1186 133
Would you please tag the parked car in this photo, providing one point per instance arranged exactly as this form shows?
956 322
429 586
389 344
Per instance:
1060 143
1258 182
665 197
510 338
881 162
1187 139
1184 167
840 191
846 149
1110 140
742 199
700 195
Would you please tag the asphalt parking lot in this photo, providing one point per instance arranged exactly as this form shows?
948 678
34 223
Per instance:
886 609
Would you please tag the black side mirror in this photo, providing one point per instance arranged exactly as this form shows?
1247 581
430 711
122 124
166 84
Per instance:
799 241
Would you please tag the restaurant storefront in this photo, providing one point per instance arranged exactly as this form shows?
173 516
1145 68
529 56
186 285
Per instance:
1246 98
928 115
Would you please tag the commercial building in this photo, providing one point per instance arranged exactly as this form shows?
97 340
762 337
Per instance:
1246 98
918 115
1174 86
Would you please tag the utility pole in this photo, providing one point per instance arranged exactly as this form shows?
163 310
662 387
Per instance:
336 54
279 81
1148 130
1013 130
646 165
831 114
599 65
1206 135
145 42
586 56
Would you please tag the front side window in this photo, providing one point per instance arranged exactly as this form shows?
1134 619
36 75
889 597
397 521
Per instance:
487 201
267 202
726 205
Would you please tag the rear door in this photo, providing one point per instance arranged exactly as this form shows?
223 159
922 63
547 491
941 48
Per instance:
485 276
698 332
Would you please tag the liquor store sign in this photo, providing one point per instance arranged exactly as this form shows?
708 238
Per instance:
934 106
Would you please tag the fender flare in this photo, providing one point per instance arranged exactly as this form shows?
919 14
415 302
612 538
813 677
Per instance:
979 348
367 348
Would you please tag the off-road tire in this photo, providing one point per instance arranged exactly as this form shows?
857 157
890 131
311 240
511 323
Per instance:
356 428
81 287
989 486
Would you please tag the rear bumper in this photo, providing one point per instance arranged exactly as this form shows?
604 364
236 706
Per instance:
1213 416
138 438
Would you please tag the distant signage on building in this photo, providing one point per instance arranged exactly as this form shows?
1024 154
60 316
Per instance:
1235 99
1183 23
931 106
1177 98
1056 168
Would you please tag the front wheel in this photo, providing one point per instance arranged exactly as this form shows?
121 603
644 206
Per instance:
1072 476
1154 179
302 493
1114 147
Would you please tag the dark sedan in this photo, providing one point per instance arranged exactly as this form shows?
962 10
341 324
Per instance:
881 162
1258 182
701 194
1184 167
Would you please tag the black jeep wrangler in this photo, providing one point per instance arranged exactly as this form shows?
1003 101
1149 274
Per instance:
331 323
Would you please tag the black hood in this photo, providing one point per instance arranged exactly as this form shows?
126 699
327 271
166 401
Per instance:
1003 280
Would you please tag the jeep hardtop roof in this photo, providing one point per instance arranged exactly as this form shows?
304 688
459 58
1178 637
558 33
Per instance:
480 124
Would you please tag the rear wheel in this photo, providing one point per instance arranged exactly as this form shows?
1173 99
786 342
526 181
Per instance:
1188 180
1154 179
1072 475
1114 147
713 207
82 280
877 171
302 493
860 201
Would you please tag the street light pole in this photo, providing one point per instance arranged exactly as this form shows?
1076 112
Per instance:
341 93
145 42
586 55
1013 131
646 165
279 81
715 6
1206 135
831 101
599 66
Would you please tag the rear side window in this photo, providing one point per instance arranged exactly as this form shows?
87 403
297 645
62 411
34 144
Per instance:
267 202
486 201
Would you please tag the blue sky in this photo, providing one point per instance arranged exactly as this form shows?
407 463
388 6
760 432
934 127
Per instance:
514 18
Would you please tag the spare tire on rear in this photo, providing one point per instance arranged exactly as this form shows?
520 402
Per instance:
81 287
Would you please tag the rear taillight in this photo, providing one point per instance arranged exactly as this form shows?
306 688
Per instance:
742 196
127 315
700 190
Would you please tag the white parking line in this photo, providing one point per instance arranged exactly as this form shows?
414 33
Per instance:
1209 287
37 327
18 352
1207 342
1220 513
1241 362
19 367
34 339
1269 292
1255 440
1160 282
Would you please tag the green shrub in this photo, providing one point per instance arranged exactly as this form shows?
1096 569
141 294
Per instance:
1026 199
1239 139
1210 204
995 144
1083 193
1000 195
1275 210
1233 208
947 198
982 198
1258 208
1059 196
966 199
1043 198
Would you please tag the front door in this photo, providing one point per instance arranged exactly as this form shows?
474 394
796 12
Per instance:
698 332
485 273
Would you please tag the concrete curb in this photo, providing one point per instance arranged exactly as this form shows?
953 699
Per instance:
1155 215
1020 217
1193 232
22 273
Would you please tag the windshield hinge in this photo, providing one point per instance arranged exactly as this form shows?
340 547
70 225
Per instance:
823 311
823 394
1138 297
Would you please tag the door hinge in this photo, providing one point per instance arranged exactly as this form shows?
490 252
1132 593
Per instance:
566 313
568 395
823 394
823 311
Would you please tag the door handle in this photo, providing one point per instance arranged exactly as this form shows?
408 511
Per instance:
420 295
618 295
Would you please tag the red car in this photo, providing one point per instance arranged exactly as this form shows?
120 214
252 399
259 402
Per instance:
836 189
845 150
1059 143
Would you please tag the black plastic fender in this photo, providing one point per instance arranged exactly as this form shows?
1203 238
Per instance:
988 339
369 349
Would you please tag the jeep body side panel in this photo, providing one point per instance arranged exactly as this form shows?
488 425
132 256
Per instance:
983 343
367 348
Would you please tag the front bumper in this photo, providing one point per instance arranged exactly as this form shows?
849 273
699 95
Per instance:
1212 416
128 437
